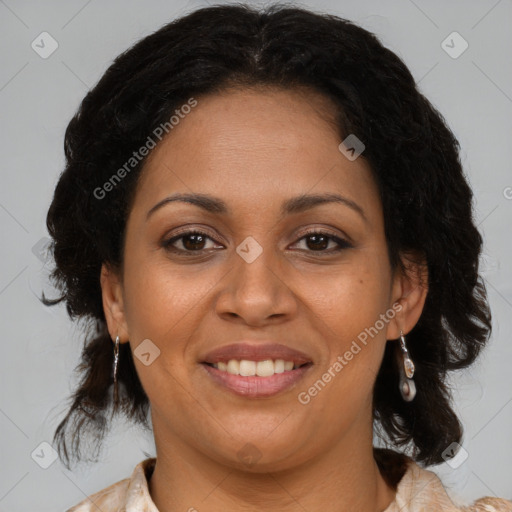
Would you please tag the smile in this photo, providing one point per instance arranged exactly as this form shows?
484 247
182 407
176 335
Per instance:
247 368
253 379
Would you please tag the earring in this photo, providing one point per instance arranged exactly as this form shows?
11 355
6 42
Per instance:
406 369
116 359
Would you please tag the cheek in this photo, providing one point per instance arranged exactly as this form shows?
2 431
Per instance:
352 297
348 309
158 302
166 306
163 307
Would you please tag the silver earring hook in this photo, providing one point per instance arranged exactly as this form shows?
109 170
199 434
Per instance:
408 364
116 360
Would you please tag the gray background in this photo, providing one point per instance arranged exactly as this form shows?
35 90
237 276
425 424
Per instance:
40 346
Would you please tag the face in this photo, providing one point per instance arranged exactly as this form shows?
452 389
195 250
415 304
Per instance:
252 266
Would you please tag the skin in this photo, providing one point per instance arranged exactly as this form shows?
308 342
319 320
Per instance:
254 149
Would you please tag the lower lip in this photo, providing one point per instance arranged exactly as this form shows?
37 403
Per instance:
257 387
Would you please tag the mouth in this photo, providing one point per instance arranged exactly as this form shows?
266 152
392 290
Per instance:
256 371
265 368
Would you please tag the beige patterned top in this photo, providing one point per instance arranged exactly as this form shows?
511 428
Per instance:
419 490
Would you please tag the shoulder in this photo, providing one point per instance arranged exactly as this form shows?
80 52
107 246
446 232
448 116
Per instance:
421 489
106 499
128 494
488 504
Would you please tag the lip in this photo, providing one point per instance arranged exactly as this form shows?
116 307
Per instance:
257 387
255 352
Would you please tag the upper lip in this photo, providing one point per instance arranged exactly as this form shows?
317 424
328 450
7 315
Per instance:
255 352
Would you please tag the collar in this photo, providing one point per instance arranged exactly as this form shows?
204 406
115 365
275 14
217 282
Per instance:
418 490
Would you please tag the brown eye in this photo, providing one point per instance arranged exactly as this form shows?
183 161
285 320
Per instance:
318 241
193 241
190 241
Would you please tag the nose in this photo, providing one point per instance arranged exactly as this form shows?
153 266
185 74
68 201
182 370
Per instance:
256 293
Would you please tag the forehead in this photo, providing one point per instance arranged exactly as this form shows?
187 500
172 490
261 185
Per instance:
256 145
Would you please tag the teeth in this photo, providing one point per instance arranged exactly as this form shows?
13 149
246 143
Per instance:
233 367
247 368
265 368
278 366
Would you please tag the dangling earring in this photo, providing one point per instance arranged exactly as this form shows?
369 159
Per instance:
406 369
116 359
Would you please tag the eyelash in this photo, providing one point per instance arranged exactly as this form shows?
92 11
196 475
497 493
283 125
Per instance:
342 244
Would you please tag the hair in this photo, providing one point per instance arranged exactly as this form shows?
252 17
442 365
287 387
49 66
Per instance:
413 155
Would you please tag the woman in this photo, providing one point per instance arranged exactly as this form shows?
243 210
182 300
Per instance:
271 231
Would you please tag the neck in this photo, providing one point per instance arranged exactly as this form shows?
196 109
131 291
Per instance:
345 478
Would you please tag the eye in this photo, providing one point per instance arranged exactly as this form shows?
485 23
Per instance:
194 241
318 241
189 241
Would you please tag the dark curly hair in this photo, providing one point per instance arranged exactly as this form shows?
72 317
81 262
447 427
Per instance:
414 157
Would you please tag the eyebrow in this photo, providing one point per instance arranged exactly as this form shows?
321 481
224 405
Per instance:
296 204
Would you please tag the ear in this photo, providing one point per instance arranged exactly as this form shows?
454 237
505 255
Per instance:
409 290
113 305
